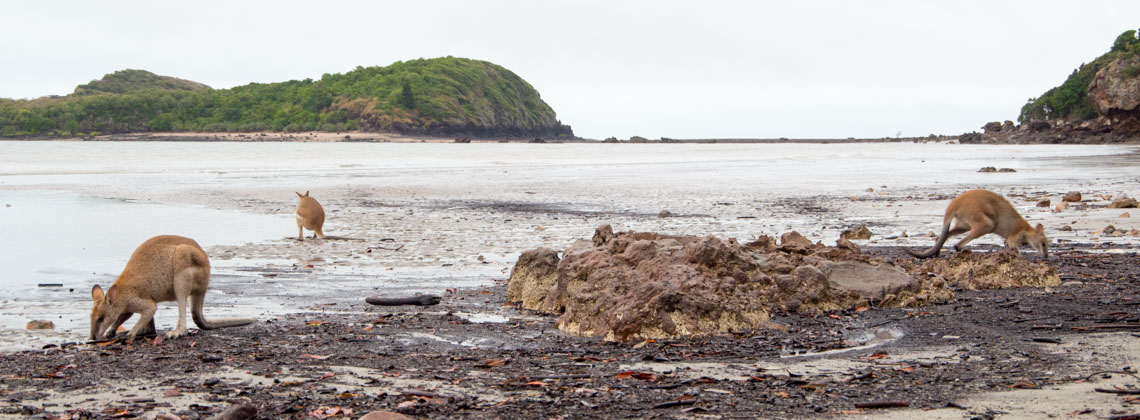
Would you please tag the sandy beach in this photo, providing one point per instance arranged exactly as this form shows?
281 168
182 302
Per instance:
406 218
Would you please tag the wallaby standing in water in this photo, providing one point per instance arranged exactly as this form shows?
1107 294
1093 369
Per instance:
310 215
162 269
980 212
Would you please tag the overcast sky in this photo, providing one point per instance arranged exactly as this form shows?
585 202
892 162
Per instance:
694 69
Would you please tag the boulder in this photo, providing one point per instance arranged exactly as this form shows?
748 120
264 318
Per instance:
873 282
533 276
859 232
1044 203
991 127
1037 126
1123 203
1006 170
1072 197
988 169
1008 126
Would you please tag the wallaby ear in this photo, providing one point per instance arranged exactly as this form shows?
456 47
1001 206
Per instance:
112 294
306 193
299 194
1040 228
96 293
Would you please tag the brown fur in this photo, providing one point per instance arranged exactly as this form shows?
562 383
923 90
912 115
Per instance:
162 269
980 212
310 215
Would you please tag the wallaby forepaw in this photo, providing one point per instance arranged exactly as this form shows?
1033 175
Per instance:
175 333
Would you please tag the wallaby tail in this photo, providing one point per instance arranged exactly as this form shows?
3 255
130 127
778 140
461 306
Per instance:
196 304
206 324
937 245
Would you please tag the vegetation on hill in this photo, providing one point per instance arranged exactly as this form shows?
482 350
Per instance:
1070 100
135 81
429 96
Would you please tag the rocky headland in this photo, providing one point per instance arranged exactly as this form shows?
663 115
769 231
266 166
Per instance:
1098 103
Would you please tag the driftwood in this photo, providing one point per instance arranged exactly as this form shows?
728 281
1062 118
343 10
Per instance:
420 300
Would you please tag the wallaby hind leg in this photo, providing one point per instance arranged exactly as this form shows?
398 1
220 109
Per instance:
319 233
182 284
975 233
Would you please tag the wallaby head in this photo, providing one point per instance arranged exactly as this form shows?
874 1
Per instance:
105 311
1036 238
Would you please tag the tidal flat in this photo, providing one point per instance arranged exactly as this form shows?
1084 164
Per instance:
451 219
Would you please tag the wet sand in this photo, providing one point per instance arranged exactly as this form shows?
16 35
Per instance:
433 228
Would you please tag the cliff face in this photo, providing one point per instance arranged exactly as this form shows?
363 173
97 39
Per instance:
1115 92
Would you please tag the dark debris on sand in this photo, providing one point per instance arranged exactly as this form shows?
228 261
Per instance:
427 362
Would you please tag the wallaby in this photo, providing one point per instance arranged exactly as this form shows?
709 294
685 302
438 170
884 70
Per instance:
980 212
310 215
162 269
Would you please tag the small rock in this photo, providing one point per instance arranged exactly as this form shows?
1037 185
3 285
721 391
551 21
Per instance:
870 190
1123 203
1061 207
1108 229
383 415
987 169
236 412
1134 232
1007 170
1065 228
1125 215
40 324
859 232
665 213
1072 197
1044 203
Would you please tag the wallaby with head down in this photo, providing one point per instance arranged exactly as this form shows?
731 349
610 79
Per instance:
980 212
162 269
310 215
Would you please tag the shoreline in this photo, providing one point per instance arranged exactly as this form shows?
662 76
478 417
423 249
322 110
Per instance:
1045 137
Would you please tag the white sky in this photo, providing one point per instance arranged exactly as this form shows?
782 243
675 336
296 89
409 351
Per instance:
681 69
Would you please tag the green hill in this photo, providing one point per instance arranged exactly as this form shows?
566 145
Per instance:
136 81
441 96
1070 100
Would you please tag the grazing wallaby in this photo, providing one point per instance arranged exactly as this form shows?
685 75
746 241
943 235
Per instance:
310 215
162 269
980 212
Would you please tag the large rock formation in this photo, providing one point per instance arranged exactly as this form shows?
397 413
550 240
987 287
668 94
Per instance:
1116 88
639 285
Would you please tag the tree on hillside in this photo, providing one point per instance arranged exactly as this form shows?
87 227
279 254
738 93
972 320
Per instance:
407 98
1124 41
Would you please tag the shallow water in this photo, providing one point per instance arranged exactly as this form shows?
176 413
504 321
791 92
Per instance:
57 237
